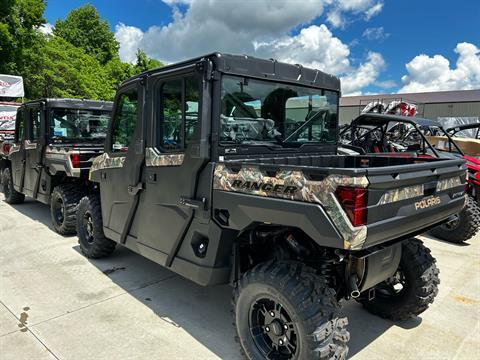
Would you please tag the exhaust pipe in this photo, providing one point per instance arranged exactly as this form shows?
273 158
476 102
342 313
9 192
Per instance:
352 282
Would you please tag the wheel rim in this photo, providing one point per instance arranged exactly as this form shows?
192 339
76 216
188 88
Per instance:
272 329
59 211
393 286
6 188
452 224
88 225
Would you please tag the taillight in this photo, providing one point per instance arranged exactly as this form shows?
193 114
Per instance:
6 147
75 158
354 201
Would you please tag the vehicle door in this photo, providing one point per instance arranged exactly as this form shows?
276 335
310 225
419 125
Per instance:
17 151
172 165
121 165
34 145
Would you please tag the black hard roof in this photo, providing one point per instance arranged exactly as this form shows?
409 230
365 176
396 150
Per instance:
73 103
250 66
378 119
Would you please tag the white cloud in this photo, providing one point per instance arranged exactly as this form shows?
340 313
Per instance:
427 73
374 10
387 84
335 18
173 2
129 38
365 75
262 28
314 46
212 25
46 29
375 33
366 8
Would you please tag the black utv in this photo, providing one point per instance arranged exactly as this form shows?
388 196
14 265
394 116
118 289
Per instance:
49 159
224 169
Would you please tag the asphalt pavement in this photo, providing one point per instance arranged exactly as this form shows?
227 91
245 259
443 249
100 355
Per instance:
56 304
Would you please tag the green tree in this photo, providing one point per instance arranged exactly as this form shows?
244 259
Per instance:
19 37
117 71
79 60
67 71
144 63
84 28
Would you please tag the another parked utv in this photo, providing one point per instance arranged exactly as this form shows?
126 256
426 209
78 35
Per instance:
224 169
50 156
5 143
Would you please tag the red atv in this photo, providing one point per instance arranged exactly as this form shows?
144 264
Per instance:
403 136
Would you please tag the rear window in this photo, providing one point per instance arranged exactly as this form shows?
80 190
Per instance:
256 111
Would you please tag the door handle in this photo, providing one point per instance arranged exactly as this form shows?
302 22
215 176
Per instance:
193 204
133 190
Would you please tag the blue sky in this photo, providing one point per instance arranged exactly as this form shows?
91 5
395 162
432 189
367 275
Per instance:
370 44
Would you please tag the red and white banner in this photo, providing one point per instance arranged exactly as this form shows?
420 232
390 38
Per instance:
8 113
11 86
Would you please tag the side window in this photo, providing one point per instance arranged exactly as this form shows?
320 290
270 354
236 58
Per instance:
180 102
20 126
35 116
172 134
125 120
192 100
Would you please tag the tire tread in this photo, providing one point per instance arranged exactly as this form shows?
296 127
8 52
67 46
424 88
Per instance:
71 196
423 290
312 296
14 197
469 224
101 246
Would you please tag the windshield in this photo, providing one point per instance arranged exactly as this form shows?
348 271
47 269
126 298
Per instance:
78 124
264 112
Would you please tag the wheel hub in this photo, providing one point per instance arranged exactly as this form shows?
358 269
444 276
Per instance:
60 211
277 327
272 329
89 227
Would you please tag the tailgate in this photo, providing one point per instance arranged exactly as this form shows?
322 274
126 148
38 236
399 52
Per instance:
406 200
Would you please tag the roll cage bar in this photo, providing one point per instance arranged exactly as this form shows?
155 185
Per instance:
453 130
381 121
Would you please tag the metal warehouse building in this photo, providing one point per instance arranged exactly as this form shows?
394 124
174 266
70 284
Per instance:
431 105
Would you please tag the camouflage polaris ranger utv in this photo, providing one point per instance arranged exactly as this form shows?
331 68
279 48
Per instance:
50 156
224 170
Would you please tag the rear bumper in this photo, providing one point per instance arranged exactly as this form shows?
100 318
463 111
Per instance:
245 210
410 221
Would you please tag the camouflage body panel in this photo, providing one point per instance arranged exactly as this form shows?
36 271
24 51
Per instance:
29 145
400 194
55 153
294 185
104 161
153 157
14 148
410 192
449 183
